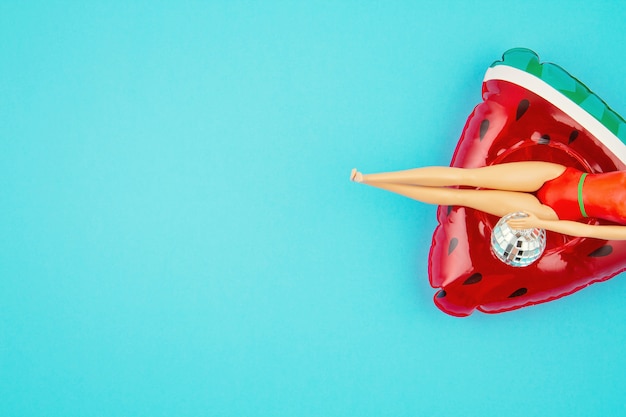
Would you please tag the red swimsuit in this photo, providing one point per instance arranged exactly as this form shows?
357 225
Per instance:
574 195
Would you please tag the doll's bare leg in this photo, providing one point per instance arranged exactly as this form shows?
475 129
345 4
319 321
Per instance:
515 176
496 202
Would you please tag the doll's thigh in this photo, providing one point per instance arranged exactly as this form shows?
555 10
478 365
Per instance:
500 203
515 176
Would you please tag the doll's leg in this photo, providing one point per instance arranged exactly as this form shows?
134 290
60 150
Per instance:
515 176
496 202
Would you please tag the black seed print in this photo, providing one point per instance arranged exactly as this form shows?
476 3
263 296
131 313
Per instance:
573 136
452 246
602 251
519 292
521 108
441 294
473 279
484 127
544 140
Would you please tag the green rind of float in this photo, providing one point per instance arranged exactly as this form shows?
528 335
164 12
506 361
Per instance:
555 76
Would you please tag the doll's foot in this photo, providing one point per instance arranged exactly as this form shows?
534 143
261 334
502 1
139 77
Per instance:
356 176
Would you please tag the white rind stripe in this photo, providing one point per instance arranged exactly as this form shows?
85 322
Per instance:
551 94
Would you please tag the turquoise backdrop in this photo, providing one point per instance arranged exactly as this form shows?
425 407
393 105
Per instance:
179 236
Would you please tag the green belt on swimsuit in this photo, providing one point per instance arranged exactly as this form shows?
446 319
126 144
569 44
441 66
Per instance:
580 194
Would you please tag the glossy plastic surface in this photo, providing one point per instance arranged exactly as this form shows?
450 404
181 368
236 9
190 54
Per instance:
515 124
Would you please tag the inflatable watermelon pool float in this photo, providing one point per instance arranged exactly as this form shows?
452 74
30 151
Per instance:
530 111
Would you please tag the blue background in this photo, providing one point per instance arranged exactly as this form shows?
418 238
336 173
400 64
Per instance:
180 238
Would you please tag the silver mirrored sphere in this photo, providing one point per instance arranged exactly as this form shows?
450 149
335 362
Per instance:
517 247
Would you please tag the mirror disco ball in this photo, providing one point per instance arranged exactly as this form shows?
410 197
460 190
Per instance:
517 247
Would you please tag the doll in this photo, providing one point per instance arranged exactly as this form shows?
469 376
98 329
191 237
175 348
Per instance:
553 196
